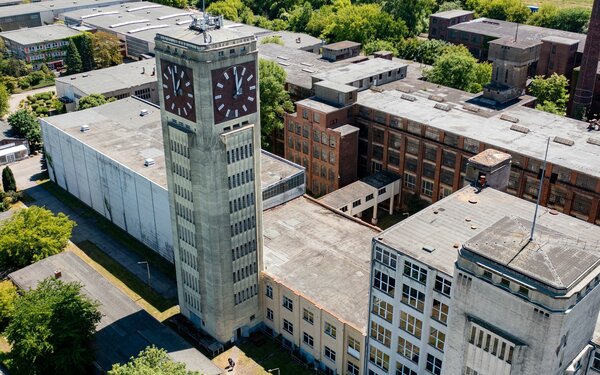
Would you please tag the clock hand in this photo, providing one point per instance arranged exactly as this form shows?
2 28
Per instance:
173 80
238 82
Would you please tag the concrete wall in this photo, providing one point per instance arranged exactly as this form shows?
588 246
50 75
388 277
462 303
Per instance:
127 199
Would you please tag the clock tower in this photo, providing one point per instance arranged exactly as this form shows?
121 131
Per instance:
208 82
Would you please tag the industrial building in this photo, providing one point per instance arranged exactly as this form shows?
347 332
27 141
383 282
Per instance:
46 12
43 45
461 288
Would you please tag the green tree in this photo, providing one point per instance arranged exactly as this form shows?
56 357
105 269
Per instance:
415 13
567 19
4 95
26 125
8 180
151 361
8 297
363 23
232 10
450 5
319 20
460 70
73 60
93 100
86 51
33 234
14 67
379 45
505 10
299 17
274 99
106 49
424 51
51 329
552 93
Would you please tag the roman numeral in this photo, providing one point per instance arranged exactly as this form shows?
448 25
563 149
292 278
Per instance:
179 111
185 111
190 95
244 108
189 105
243 71
217 97
182 73
220 85
165 86
221 107
250 77
236 113
172 106
166 77
226 75
227 114
168 97
252 88
187 83
251 98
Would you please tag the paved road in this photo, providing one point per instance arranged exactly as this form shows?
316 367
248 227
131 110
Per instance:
15 99
29 170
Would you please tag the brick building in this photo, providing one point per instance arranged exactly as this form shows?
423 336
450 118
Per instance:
440 22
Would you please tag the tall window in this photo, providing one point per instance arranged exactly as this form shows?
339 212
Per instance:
408 350
436 339
288 326
308 316
308 339
269 292
385 257
382 309
439 311
434 365
410 324
385 283
354 347
352 369
330 330
288 303
415 272
413 297
404 370
329 353
379 358
381 334
270 314
442 285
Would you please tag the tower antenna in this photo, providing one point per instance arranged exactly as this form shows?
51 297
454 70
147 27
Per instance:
537 203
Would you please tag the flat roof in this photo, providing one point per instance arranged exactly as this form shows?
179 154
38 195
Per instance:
317 104
552 257
454 220
125 328
321 254
501 29
336 86
114 78
496 131
299 65
358 189
55 6
118 131
345 129
358 71
341 45
452 13
294 40
40 34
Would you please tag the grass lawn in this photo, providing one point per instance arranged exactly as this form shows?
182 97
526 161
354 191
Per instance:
257 360
111 229
158 306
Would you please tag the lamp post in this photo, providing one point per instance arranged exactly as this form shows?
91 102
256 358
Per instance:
148 269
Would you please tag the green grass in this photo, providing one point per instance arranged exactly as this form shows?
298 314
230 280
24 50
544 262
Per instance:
270 355
43 83
126 277
127 241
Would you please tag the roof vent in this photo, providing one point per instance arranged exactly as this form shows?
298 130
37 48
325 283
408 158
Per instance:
471 107
509 118
410 98
564 141
84 128
594 141
283 57
519 128
429 248
144 112
308 70
443 107
436 98
149 162
283 63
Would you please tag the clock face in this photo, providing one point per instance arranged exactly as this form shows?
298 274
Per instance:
178 90
234 91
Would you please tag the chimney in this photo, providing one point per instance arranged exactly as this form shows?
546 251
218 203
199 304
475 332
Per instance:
57 274
143 70
584 91
490 168
298 40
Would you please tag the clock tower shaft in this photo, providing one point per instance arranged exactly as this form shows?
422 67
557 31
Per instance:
213 174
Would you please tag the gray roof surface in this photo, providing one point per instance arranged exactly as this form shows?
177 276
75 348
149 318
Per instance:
552 257
318 105
55 6
452 13
299 65
113 78
34 35
455 220
500 29
125 328
341 45
345 129
336 86
322 255
488 127
118 131
290 39
347 194
354 72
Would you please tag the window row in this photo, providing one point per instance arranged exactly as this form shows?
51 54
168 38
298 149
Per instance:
415 272
242 226
240 178
190 281
184 212
176 147
184 193
491 343
243 250
239 153
245 294
241 203
186 235
182 171
386 257
384 283
244 272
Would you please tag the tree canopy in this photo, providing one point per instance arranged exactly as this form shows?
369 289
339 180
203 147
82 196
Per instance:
504 10
106 49
73 59
552 93
93 100
415 13
274 99
33 234
50 329
425 51
460 70
4 95
151 361
8 180
26 125
568 19
8 297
